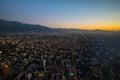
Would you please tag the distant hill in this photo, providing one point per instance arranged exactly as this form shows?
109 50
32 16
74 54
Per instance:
17 27
13 26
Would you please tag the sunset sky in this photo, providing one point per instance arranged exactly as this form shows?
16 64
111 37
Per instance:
80 14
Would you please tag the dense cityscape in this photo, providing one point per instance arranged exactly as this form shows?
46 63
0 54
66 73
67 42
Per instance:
59 39
85 56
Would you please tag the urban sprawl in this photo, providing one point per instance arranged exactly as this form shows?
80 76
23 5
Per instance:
85 56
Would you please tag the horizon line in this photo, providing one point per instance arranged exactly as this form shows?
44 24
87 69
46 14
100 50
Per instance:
60 27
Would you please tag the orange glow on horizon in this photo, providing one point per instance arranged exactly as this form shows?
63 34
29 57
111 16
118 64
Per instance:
107 28
114 28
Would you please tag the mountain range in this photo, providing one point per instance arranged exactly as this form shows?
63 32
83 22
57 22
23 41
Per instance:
14 26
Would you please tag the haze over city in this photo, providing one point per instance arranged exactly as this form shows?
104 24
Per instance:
79 14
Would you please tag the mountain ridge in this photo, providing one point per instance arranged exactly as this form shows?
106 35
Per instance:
14 26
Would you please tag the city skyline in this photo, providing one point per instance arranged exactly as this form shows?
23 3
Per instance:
79 14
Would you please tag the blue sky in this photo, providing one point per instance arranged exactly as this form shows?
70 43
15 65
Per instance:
62 13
